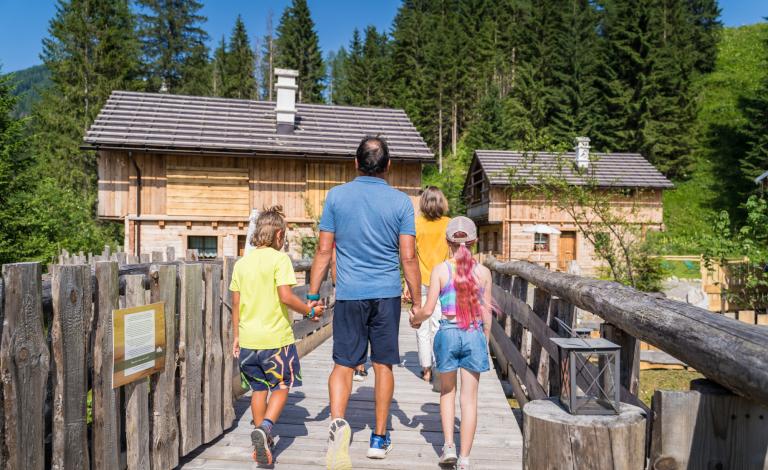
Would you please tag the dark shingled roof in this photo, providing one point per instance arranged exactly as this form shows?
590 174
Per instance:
607 169
162 122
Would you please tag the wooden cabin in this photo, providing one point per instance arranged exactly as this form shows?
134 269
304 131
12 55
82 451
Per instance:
185 171
505 217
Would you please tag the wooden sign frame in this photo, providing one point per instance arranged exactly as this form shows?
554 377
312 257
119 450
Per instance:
145 344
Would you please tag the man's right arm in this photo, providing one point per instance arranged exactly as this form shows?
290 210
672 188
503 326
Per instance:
322 261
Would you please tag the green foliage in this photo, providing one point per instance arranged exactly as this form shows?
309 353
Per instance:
297 47
171 36
749 241
238 77
29 83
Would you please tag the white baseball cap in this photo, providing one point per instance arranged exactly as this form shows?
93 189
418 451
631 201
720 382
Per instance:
464 225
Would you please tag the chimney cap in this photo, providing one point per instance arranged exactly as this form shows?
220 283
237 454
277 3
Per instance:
286 73
582 141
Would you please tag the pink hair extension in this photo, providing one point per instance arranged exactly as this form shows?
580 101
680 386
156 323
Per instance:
468 301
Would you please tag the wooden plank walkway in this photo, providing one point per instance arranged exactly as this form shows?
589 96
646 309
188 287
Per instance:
415 422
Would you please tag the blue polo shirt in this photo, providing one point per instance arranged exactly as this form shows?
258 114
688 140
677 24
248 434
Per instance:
367 217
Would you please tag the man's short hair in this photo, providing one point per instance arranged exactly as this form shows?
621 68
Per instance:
372 155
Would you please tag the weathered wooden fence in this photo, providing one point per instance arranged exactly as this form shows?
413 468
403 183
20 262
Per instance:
59 409
730 353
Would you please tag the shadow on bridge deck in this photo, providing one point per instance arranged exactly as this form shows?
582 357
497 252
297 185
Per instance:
415 422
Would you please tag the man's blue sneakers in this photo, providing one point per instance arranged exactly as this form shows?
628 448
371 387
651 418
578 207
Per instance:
380 446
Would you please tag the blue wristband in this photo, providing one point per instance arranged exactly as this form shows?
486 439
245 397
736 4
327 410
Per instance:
313 296
311 313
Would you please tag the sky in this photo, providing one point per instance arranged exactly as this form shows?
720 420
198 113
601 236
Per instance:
24 23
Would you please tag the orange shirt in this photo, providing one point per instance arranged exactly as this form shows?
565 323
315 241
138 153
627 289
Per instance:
431 247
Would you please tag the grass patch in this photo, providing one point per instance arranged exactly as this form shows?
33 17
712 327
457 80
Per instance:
652 380
681 269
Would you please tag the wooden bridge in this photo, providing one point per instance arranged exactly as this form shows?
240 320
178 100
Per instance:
415 422
60 411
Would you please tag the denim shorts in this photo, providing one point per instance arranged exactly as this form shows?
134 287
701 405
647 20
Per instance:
460 349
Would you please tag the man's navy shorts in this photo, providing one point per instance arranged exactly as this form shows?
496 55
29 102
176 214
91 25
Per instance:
358 322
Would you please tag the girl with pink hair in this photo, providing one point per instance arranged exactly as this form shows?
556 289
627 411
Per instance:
463 287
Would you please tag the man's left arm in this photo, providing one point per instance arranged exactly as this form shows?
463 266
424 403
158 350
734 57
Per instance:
411 270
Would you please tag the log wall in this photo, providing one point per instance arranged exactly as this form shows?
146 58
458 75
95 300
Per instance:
169 184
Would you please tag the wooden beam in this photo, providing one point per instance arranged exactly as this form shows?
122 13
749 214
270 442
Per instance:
727 351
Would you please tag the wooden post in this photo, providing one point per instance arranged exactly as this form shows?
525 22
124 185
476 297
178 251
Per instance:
3 456
136 394
71 290
164 427
630 356
170 254
157 256
539 357
506 285
133 259
122 258
230 369
190 357
565 313
24 363
520 291
106 417
145 258
212 367
707 427
554 439
191 255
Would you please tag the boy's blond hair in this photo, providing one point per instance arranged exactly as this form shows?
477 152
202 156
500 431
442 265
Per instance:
270 221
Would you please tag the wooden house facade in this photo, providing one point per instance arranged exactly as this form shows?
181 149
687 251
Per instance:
186 171
507 219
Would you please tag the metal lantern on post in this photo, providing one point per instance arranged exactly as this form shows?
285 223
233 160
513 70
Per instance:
589 375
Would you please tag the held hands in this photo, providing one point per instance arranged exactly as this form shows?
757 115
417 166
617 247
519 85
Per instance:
415 317
319 309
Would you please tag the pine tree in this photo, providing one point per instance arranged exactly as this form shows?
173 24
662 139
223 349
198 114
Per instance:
240 65
704 16
220 68
170 32
338 75
575 102
755 160
368 70
91 51
267 62
197 73
297 47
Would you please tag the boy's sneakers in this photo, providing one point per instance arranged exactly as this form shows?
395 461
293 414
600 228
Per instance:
449 458
262 442
380 446
360 375
339 438
463 464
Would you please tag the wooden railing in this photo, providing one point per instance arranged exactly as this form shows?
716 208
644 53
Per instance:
726 351
59 409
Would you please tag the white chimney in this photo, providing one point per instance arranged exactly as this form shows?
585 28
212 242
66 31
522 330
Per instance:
582 152
285 108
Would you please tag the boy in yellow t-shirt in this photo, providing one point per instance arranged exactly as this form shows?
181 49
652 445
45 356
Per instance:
263 337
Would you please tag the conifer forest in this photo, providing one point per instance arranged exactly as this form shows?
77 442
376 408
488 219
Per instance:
663 78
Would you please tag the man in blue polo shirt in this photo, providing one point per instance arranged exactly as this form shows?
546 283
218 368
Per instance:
372 226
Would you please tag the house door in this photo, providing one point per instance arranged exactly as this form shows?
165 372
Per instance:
567 250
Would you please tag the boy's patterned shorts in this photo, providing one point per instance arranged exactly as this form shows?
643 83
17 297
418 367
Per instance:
270 369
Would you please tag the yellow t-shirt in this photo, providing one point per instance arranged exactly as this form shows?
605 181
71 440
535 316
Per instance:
264 321
431 247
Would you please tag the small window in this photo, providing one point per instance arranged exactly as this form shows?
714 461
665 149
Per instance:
241 245
207 247
540 242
